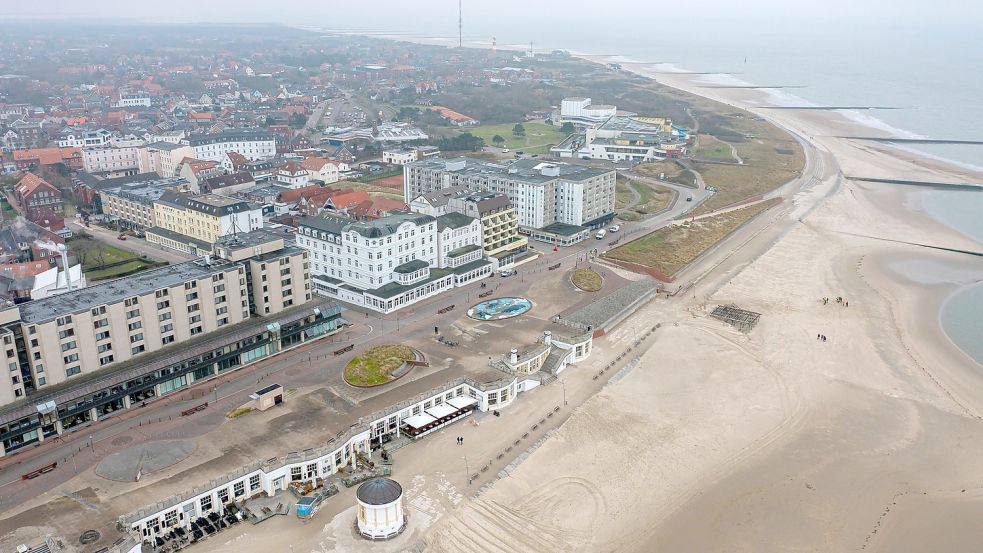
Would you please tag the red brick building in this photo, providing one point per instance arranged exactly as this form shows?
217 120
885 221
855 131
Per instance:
37 197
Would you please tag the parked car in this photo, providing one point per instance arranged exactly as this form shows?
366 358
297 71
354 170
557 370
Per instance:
507 272
600 234
505 150
121 237
614 228
689 198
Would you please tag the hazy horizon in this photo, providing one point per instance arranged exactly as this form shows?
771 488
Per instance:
433 15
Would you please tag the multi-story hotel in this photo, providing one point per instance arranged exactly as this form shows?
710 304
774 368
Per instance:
554 202
83 355
130 203
501 241
193 223
385 264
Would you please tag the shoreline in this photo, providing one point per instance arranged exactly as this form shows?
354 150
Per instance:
898 158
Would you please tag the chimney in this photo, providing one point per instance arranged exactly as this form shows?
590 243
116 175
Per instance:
547 337
514 356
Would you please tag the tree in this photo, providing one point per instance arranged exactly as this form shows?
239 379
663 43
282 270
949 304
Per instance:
567 128
498 140
519 130
81 250
298 120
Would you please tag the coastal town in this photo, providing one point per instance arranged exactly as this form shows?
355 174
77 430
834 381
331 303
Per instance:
386 276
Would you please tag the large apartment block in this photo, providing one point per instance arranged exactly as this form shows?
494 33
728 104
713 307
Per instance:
391 262
83 355
551 200
192 224
129 202
252 144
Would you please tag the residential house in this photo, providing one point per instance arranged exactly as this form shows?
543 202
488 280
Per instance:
35 195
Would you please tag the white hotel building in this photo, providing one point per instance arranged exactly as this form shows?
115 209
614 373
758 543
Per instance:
392 262
252 144
555 202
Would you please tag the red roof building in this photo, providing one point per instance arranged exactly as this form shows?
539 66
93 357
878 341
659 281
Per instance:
37 197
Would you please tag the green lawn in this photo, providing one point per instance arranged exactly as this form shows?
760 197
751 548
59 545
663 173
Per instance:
103 261
670 249
538 139
376 366
708 147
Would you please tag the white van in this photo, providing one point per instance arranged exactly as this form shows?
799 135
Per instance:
600 234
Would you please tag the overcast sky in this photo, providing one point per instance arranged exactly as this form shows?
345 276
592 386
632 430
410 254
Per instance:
440 16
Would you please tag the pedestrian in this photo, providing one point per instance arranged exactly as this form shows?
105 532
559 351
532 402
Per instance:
819 336
824 337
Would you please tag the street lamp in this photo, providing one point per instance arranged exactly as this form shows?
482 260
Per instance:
467 470
564 386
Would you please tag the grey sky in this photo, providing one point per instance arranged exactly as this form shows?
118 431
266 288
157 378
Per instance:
439 16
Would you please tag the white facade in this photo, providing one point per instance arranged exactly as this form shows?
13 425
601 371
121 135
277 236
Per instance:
384 264
252 145
133 99
376 520
162 158
114 160
541 193
580 110
459 241
399 157
85 139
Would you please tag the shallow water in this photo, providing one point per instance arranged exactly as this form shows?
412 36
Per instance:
962 321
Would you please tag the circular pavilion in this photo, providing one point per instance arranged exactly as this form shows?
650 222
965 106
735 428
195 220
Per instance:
380 509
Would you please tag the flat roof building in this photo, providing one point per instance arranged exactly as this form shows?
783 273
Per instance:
87 353
542 193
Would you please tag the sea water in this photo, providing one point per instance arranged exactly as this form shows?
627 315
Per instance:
962 321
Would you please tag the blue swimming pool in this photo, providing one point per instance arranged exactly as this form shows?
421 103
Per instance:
499 308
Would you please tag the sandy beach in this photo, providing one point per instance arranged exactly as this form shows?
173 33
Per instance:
777 441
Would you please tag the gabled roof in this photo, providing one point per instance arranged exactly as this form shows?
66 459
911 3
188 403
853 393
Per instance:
30 183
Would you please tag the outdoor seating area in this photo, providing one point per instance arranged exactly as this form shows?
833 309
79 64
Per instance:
438 416
199 529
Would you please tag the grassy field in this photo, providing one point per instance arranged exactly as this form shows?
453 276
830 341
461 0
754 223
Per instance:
652 199
709 147
376 366
103 262
587 280
667 170
670 249
771 158
373 190
381 175
538 139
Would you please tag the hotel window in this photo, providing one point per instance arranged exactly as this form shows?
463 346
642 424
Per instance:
68 345
106 360
66 333
239 489
254 482
67 319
